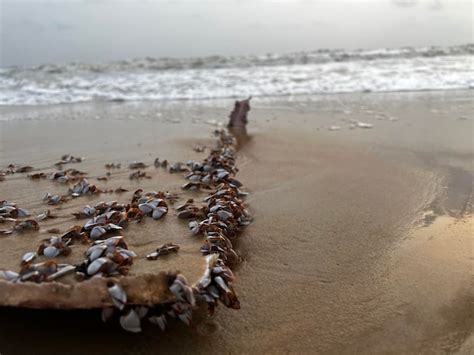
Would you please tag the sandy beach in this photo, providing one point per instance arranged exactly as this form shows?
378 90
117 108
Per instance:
361 240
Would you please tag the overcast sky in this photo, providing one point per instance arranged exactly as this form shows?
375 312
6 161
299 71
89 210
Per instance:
50 31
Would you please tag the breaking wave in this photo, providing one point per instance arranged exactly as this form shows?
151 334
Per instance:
316 72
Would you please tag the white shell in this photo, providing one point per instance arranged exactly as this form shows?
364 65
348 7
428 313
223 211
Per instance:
51 251
205 279
222 174
96 251
127 253
152 256
61 272
97 232
195 178
29 257
22 212
159 321
215 208
113 241
62 179
88 210
55 240
145 208
188 292
118 295
142 311
90 224
206 179
224 215
96 265
213 291
221 283
9 275
101 219
112 226
185 318
159 212
154 203
131 322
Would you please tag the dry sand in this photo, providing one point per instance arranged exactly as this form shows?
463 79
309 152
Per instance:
362 239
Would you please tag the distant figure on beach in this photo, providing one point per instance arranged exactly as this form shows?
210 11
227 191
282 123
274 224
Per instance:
238 117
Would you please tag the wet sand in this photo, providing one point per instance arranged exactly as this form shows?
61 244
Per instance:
362 239
143 238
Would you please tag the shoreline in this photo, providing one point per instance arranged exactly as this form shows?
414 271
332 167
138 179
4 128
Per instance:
221 101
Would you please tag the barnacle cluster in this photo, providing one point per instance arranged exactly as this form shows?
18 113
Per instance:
218 220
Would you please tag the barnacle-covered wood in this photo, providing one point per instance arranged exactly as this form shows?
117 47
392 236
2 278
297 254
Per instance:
143 289
100 261
141 233
238 116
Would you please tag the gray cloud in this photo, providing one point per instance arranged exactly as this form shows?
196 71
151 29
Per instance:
36 32
63 26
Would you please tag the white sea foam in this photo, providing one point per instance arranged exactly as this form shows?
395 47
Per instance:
305 73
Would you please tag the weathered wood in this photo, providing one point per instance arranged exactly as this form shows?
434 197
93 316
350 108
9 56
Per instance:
93 293
238 117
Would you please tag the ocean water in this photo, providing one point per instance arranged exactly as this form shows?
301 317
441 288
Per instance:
302 73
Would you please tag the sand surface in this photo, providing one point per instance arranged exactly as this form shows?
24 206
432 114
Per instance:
143 238
362 239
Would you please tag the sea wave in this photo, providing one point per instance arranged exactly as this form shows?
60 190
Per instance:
303 73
